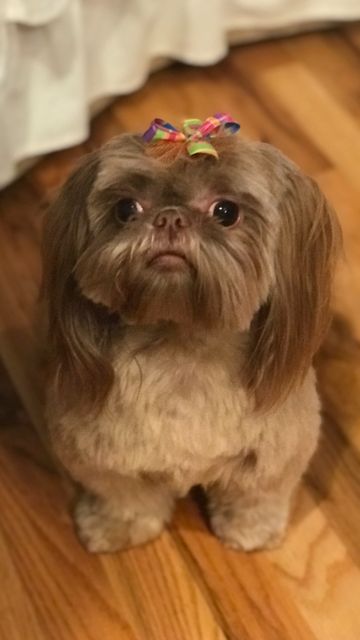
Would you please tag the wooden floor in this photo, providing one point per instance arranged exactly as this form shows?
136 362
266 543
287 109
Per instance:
301 94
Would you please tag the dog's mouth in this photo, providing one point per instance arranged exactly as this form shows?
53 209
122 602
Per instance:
168 260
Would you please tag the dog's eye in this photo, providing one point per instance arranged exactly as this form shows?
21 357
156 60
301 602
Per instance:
226 211
126 209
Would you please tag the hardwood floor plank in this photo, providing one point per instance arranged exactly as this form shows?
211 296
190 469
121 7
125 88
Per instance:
316 570
334 483
352 34
276 123
253 605
338 371
49 173
13 592
20 223
345 197
143 594
331 127
334 64
171 601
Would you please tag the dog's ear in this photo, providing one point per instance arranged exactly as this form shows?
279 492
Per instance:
289 327
77 329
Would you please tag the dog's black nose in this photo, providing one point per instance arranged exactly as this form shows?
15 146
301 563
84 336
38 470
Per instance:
171 219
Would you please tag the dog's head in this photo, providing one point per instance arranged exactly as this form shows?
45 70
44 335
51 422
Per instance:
244 243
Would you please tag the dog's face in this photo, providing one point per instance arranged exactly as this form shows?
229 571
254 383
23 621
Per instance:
190 242
243 243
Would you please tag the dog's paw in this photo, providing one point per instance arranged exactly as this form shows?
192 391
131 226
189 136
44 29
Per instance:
250 532
102 528
236 537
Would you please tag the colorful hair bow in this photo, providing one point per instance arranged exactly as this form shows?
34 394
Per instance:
194 132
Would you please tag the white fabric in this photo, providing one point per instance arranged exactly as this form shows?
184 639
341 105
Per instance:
57 57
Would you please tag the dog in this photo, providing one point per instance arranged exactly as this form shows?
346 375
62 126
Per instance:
186 296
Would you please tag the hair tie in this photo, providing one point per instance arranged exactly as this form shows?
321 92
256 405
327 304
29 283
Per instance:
195 133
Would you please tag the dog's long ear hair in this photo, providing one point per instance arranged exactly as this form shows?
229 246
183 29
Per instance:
78 331
289 327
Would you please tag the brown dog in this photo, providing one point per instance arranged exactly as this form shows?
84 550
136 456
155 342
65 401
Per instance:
186 298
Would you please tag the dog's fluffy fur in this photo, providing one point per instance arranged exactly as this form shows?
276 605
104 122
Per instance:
163 377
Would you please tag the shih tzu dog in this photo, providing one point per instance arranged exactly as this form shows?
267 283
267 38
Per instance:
187 279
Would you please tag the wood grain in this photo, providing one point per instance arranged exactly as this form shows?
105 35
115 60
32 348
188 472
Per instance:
301 94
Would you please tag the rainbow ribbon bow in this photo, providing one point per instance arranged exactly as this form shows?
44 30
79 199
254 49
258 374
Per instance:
194 132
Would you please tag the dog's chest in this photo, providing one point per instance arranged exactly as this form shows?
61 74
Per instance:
173 410
176 412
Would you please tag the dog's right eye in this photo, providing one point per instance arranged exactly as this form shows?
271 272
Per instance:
126 209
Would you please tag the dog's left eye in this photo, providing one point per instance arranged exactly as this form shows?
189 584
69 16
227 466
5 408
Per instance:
126 209
226 211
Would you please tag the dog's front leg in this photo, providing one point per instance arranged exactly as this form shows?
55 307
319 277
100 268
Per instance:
120 512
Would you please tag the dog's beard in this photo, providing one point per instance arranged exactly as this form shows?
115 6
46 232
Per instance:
149 296
216 288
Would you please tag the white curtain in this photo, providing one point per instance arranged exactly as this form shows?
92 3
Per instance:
57 57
